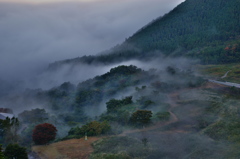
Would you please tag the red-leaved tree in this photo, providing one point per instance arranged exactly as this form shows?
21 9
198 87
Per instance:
44 133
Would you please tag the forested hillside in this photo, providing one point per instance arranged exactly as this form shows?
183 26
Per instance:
208 30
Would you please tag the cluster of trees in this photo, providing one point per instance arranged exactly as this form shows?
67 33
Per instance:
9 138
141 118
69 102
8 130
124 113
114 104
33 116
93 128
13 151
202 27
12 141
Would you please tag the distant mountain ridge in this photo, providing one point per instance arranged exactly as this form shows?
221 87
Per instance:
208 30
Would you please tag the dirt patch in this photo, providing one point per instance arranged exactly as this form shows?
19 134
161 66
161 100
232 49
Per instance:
69 149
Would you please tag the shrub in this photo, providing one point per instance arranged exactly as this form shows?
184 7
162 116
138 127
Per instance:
163 116
14 151
141 118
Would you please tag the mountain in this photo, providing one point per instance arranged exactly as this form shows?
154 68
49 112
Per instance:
195 28
208 30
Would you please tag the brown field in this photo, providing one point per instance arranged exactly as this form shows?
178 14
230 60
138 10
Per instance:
69 149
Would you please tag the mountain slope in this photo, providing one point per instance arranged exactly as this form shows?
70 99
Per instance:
208 30
192 28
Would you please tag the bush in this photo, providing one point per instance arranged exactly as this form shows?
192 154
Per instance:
163 116
141 118
44 133
14 151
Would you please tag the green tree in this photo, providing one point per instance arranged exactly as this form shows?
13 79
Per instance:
114 104
1 153
14 151
8 130
92 129
141 118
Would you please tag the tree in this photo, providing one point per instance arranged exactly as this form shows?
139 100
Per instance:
114 104
14 151
1 153
141 118
44 133
8 130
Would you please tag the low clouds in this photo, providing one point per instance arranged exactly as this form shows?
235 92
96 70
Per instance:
33 35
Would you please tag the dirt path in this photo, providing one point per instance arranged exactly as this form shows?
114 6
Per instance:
225 75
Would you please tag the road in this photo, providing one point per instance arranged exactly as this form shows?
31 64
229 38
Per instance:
226 83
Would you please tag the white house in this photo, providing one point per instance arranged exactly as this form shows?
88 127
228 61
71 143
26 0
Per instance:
3 116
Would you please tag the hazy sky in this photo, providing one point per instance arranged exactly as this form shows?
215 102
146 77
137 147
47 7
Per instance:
34 33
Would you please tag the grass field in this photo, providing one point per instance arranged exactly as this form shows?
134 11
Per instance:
218 71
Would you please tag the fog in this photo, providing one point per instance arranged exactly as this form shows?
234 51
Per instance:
36 34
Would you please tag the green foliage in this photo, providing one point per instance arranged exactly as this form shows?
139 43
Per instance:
93 128
119 116
33 116
163 116
1 153
8 130
204 27
25 136
141 118
14 151
227 129
114 104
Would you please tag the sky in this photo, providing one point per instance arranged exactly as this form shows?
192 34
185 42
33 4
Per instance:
34 33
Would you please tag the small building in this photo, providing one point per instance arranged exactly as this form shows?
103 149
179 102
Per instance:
3 116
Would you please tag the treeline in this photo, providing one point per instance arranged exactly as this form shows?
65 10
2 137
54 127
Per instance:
197 28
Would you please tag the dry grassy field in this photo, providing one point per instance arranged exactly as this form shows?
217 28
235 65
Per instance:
69 149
